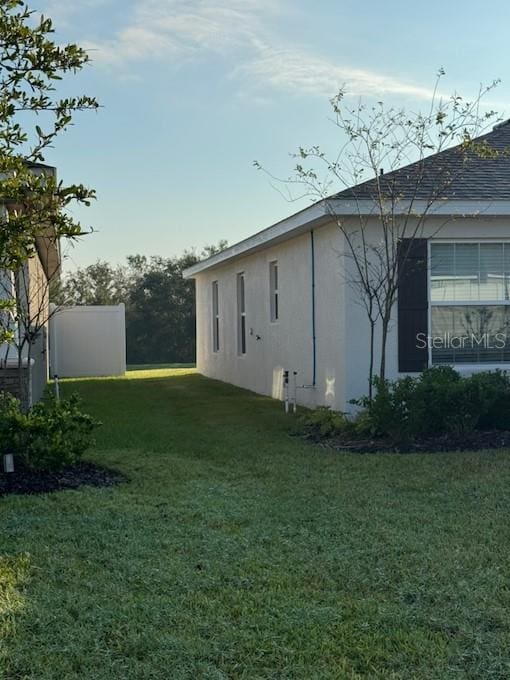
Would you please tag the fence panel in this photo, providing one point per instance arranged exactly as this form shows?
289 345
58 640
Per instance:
88 341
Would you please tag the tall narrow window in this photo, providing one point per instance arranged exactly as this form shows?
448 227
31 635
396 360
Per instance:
241 315
215 317
273 291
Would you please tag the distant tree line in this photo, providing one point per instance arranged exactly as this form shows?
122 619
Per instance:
160 303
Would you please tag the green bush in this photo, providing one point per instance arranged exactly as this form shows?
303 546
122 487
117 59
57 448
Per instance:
51 435
388 413
495 387
323 422
439 401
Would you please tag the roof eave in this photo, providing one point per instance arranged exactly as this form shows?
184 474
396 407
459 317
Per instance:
324 211
294 225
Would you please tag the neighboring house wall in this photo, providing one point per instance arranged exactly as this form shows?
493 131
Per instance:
37 295
39 301
342 337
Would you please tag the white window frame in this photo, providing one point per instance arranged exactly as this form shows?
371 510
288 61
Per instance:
274 292
461 367
215 291
241 313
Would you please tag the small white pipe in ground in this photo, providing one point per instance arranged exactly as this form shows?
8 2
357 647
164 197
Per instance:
57 387
294 398
286 390
8 462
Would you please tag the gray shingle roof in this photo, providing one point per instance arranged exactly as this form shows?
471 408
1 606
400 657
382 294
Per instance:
461 176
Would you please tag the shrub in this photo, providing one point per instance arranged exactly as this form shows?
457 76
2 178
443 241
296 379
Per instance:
495 387
324 422
11 423
439 401
388 413
443 402
51 435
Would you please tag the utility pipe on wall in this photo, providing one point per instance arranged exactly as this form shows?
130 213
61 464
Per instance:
314 339
313 319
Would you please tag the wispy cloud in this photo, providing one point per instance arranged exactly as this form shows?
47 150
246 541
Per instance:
167 29
178 30
298 71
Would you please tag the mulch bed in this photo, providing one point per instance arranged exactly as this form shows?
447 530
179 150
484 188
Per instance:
24 481
475 441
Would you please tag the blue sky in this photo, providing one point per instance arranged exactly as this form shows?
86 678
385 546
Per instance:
192 91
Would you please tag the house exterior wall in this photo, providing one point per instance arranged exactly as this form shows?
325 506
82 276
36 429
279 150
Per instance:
342 329
285 344
37 295
477 228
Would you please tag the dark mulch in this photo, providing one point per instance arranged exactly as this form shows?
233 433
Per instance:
24 481
475 441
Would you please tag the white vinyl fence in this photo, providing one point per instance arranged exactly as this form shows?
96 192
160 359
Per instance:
88 341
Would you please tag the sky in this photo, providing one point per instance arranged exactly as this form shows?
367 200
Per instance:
193 91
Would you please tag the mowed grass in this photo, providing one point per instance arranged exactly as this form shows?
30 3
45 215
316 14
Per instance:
149 367
238 551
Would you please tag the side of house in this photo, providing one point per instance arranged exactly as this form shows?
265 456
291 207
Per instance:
292 307
279 309
453 303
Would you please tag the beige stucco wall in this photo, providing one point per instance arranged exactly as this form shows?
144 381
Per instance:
342 338
37 296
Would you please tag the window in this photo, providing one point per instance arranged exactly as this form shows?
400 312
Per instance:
215 317
273 291
241 315
470 303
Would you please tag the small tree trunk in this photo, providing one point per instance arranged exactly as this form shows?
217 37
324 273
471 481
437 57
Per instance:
371 363
384 340
23 384
30 397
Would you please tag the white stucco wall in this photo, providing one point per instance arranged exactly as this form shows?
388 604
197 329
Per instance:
286 343
342 338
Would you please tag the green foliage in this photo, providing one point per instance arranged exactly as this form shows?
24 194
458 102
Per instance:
51 435
439 401
31 119
324 422
495 388
97 284
11 423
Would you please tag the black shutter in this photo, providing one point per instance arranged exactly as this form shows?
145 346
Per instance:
412 305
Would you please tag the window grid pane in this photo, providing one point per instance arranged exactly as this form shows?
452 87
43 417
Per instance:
477 273
470 334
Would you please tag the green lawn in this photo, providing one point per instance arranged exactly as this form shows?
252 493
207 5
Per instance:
237 551
149 367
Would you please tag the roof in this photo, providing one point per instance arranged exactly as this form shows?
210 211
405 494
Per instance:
34 165
471 184
467 176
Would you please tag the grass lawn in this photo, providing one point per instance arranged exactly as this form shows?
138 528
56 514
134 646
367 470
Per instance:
149 367
236 551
